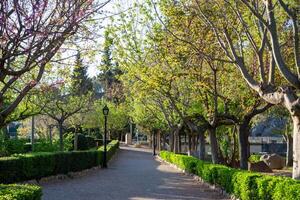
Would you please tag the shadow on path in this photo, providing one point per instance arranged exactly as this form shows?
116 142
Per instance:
134 175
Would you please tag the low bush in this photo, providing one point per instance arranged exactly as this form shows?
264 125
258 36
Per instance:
11 146
254 158
243 184
20 192
91 143
86 142
42 146
37 165
46 146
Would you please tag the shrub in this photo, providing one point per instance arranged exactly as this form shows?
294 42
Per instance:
46 146
254 158
69 141
15 146
91 143
20 192
82 142
37 165
42 146
243 184
86 142
11 146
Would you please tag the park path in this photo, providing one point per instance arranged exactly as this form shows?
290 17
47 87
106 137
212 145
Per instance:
133 174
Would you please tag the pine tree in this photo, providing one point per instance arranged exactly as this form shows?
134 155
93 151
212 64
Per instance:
111 85
81 83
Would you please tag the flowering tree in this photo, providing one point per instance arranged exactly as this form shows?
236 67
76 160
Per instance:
31 32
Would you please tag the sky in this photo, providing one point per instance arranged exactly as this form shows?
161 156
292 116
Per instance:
111 10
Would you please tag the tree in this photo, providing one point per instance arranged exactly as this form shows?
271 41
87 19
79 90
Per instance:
81 83
61 104
183 77
31 34
110 71
271 32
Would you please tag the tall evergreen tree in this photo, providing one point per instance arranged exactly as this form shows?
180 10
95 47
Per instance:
81 83
109 77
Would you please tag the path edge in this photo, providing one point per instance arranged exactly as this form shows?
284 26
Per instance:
214 187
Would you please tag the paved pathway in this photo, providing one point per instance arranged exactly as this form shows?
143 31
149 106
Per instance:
132 175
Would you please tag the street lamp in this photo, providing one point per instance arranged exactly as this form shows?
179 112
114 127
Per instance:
105 113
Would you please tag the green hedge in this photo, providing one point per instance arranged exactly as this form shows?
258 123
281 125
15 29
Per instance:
20 192
243 184
111 148
37 165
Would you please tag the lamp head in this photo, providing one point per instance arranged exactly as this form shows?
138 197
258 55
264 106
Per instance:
105 110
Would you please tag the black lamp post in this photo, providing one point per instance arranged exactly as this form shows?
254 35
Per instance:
105 113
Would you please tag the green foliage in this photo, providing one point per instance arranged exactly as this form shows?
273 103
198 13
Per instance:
254 158
117 118
111 148
46 146
81 83
20 192
37 165
69 141
41 145
85 142
11 146
14 146
243 184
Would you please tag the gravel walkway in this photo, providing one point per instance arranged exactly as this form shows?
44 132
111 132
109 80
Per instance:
134 175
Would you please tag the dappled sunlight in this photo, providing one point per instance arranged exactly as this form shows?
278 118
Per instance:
165 168
136 175
158 196
202 96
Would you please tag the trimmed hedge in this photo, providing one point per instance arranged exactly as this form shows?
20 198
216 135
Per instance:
20 192
111 148
37 165
243 184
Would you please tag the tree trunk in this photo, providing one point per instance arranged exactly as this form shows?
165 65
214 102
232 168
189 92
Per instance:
176 141
234 148
296 147
75 141
194 142
158 141
213 145
163 141
201 146
32 133
179 143
154 142
189 145
171 140
61 139
50 134
150 139
289 150
243 133
185 143
197 142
